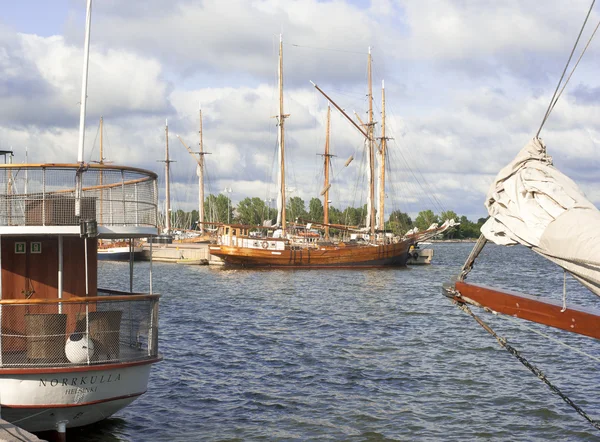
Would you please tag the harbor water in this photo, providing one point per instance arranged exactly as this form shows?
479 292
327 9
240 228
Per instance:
354 355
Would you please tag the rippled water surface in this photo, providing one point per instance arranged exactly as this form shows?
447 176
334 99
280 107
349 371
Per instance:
356 355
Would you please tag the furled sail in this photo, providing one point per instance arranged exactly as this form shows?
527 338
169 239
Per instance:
534 204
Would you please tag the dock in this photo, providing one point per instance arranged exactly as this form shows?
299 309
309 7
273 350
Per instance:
180 253
12 433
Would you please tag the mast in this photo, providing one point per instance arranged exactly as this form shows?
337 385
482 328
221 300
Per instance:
281 117
382 153
201 180
101 162
86 59
326 188
371 199
167 187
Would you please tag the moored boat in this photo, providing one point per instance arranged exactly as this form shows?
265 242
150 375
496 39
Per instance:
72 353
295 245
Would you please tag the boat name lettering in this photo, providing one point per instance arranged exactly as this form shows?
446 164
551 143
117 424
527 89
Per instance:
81 390
79 381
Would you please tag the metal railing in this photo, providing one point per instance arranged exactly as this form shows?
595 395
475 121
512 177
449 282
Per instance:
113 328
46 195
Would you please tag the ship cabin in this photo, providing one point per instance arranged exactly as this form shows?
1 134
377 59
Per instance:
52 312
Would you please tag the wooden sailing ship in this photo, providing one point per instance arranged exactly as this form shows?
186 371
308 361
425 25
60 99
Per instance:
288 247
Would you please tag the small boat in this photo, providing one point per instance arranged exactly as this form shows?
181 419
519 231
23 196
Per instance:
118 251
72 353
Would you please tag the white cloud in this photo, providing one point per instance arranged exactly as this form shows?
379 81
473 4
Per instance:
467 84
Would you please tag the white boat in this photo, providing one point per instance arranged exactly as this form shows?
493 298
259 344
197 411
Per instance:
71 353
118 251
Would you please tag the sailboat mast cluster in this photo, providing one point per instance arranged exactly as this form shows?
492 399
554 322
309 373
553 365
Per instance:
297 245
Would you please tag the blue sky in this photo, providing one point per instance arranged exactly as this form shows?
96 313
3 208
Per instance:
467 84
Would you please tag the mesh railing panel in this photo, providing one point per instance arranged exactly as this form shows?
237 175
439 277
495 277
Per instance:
46 196
78 333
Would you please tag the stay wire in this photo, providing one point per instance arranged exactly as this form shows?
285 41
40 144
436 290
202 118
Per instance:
536 371
554 97
576 64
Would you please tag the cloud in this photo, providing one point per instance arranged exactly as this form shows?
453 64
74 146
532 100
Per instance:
467 85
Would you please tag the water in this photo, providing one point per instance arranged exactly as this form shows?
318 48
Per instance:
356 355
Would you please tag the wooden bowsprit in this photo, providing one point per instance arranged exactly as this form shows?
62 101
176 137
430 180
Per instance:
573 319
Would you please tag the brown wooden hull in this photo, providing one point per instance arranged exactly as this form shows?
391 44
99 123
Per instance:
389 255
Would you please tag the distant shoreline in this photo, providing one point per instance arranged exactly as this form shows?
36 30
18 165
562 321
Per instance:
451 240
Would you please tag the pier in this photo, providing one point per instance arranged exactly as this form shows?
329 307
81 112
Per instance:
12 433
180 253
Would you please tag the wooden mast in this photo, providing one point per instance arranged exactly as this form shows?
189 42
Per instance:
200 168
371 153
201 181
382 152
281 118
326 188
167 187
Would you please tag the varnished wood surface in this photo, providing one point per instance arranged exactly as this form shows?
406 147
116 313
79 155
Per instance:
532 308
329 256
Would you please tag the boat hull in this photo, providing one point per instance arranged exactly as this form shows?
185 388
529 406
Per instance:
37 399
119 254
388 255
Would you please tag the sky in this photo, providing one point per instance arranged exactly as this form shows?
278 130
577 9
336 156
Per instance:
467 84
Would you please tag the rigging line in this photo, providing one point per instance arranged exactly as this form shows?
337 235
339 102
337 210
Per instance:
325 49
94 145
536 371
576 64
520 323
551 105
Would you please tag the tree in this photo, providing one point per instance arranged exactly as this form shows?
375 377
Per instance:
335 215
424 219
351 216
468 229
315 210
218 208
399 222
448 214
251 211
296 209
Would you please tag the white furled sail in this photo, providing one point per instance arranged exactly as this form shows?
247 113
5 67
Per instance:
370 202
534 204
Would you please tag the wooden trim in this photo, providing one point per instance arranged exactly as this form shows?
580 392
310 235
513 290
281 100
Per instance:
77 299
78 368
532 308
81 404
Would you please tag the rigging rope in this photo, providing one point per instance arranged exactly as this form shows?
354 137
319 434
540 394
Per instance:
576 64
555 97
536 371
520 323
482 240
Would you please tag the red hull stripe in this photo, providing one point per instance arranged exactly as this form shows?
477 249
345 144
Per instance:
73 405
54 370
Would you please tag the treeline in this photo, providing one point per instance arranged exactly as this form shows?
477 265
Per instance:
255 211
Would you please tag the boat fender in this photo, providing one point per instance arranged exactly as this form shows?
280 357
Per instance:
415 255
265 245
